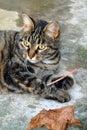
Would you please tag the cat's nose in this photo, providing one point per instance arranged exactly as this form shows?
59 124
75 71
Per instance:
31 54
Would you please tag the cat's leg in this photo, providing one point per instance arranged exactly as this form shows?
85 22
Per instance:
58 91
36 86
65 83
24 84
51 92
17 78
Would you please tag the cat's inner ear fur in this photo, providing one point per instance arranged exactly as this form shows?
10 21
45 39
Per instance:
28 22
52 30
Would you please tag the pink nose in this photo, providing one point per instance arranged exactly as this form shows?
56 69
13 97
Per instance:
31 54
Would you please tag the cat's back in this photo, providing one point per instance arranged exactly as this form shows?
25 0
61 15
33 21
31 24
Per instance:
7 39
2 41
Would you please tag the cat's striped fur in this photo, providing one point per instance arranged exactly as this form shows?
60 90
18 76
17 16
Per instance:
29 58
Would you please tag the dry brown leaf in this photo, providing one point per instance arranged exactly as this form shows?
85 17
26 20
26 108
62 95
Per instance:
56 119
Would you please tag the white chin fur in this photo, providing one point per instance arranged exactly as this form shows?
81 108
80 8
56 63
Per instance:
47 61
33 60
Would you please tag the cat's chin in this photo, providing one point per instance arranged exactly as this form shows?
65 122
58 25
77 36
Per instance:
33 61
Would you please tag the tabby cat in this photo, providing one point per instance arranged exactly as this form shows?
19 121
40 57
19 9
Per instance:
29 58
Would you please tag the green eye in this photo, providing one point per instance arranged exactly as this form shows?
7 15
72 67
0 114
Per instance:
42 47
26 43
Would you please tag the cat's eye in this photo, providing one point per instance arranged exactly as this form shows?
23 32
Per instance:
26 43
41 47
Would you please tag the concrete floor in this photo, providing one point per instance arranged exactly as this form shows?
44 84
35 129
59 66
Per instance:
16 110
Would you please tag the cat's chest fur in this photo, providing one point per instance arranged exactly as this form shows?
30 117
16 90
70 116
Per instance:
39 72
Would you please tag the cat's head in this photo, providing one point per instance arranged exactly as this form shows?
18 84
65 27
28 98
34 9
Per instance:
37 39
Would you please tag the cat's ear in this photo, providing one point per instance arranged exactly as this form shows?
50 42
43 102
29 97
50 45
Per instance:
28 22
52 30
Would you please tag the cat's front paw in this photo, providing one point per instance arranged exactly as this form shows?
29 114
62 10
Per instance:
62 96
58 95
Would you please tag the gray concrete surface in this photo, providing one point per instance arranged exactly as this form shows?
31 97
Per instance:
16 110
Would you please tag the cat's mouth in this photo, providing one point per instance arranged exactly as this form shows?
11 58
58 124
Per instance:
33 60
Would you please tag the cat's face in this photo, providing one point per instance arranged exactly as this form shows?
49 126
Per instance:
37 39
